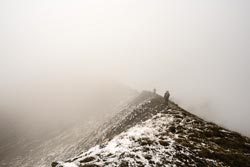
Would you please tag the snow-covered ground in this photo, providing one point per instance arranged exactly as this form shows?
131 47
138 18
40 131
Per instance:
129 147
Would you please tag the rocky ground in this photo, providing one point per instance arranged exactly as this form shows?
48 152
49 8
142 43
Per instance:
154 134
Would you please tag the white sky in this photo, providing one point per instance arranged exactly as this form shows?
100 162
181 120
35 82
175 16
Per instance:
199 50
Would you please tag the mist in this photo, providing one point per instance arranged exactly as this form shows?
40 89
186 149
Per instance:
197 49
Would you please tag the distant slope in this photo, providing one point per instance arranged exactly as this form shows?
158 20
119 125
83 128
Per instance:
61 140
152 134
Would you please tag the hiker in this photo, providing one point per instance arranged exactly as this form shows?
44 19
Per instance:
166 97
154 91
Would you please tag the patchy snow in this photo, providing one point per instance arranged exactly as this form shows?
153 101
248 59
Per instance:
170 137
224 131
67 164
139 144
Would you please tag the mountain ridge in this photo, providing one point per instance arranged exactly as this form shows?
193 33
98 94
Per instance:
182 139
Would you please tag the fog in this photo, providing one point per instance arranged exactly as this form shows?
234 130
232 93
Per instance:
56 49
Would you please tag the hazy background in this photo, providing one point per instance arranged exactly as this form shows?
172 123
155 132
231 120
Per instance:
197 49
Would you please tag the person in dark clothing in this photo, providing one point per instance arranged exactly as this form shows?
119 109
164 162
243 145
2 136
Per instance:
154 91
166 97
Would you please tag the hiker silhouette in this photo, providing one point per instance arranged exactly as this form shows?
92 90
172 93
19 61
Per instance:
166 97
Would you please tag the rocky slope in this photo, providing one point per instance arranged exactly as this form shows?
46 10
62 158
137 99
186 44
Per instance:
153 134
62 139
